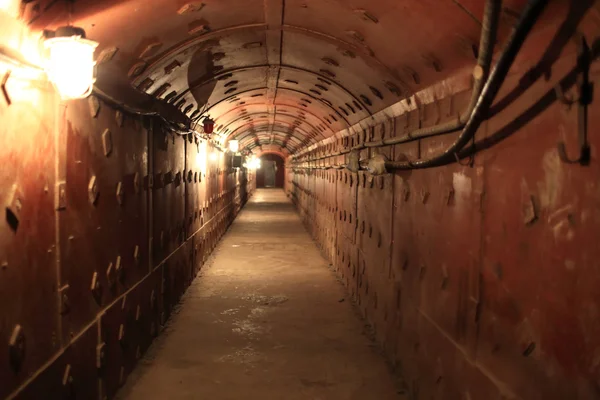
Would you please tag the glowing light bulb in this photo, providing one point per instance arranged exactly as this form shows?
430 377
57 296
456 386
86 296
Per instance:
201 159
9 6
234 146
71 63
253 163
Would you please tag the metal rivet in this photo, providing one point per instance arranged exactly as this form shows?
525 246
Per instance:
14 207
121 336
120 268
106 55
110 275
120 193
93 192
107 142
67 381
16 346
119 118
136 255
94 105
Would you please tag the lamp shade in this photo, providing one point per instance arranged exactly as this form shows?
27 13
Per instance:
71 63
208 125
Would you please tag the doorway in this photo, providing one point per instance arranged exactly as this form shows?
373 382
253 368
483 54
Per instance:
271 172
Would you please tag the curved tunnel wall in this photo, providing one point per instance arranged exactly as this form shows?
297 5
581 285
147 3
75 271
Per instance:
478 277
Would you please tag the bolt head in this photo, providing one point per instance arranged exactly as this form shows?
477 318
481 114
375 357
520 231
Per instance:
121 333
67 378
119 268
136 255
93 192
16 345
120 193
119 118
110 275
95 282
107 142
94 104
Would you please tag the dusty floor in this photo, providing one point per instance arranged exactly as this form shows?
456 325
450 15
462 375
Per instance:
266 320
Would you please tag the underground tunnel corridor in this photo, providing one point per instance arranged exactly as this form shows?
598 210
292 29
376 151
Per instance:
266 319
299 199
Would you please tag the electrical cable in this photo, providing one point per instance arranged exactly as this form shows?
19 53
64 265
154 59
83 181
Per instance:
481 71
528 18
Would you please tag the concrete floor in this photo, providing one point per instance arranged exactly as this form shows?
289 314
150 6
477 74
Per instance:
266 320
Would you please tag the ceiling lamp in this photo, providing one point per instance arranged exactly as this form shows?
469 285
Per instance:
71 62
208 125
234 146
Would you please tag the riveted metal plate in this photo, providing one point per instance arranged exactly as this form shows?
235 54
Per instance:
104 230
168 199
27 238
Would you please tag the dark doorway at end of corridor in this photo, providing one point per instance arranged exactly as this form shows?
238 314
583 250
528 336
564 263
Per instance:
271 172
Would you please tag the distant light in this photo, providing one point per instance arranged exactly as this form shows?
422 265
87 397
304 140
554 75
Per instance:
234 146
213 156
8 5
71 62
253 163
201 158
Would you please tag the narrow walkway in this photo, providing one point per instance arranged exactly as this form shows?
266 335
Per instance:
265 321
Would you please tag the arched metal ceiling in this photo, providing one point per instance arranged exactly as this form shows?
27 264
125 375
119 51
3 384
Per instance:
279 74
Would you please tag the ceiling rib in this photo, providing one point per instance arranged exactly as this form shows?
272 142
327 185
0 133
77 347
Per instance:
239 130
283 67
281 88
274 12
303 110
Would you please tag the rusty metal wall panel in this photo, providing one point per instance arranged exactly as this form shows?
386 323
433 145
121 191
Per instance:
103 224
447 202
73 374
127 329
119 343
27 240
168 193
374 239
177 275
346 262
346 189
194 187
490 277
147 303
110 302
539 271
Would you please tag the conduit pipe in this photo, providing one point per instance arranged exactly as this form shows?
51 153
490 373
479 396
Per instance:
480 74
528 18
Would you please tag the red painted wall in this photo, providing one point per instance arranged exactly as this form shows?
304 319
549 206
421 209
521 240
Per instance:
480 281
91 185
